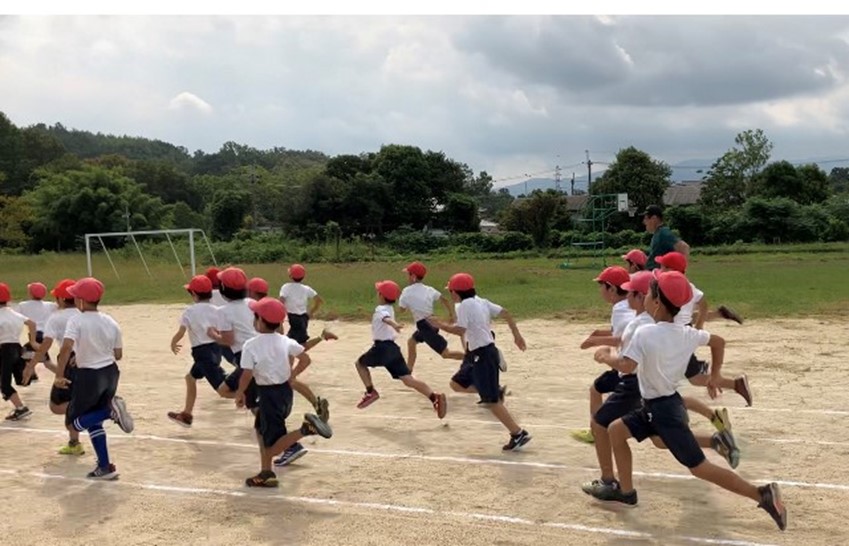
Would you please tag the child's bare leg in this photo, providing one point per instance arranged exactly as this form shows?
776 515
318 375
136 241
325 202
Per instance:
191 394
225 392
453 355
695 405
50 366
595 402
365 376
304 390
502 414
417 385
726 479
456 387
603 450
16 401
619 435
412 352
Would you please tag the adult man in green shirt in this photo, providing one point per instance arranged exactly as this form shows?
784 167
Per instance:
663 241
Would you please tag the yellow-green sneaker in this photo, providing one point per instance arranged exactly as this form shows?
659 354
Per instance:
583 435
721 420
72 449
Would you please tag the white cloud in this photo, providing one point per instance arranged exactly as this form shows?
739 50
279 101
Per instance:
189 101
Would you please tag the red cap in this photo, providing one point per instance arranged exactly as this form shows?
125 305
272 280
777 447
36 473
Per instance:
199 284
639 282
416 268
460 282
61 289
269 309
37 290
388 289
233 278
674 261
674 286
212 275
258 284
297 272
614 275
5 293
636 256
87 289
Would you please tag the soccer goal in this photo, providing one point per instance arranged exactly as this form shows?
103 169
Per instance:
131 235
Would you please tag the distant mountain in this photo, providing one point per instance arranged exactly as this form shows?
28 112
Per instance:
684 171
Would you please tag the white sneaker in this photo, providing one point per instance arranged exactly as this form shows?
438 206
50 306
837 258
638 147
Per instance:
502 363
120 414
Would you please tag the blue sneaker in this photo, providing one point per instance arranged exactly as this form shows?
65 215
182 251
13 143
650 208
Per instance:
291 455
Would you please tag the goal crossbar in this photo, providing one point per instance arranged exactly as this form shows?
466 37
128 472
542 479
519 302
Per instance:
132 235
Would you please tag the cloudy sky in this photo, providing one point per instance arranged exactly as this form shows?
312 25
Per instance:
510 95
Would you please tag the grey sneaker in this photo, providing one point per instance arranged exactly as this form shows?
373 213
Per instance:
322 408
613 492
593 487
19 414
314 425
771 502
502 362
120 414
724 444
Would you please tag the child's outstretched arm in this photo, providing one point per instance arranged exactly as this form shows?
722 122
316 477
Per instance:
717 356
599 341
448 307
175 346
449 327
397 327
316 303
517 336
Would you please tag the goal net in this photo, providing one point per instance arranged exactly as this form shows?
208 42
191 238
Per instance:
194 236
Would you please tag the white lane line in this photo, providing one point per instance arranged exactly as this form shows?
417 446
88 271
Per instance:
432 458
492 518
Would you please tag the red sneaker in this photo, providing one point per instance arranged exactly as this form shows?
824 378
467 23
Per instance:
181 418
368 399
440 405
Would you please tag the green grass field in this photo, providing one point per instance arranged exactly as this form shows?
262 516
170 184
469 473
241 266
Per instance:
757 285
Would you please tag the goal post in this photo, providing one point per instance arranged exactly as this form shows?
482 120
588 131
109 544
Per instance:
191 233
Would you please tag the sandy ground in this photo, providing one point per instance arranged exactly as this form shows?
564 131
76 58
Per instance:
395 474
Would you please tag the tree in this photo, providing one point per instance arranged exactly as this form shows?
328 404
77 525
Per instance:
634 172
805 184
228 210
491 205
535 215
728 182
15 218
838 179
70 204
479 186
460 214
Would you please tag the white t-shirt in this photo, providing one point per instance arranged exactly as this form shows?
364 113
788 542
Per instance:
685 315
37 311
475 315
268 356
197 319
640 320
217 299
11 325
380 331
238 318
296 296
620 316
96 335
419 299
56 324
662 352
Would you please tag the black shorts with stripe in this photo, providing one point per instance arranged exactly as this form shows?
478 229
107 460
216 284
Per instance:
274 404
428 333
385 354
93 390
666 417
298 325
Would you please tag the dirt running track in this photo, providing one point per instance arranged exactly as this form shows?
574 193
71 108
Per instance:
395 474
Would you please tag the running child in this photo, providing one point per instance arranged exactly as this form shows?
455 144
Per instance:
95 340
659 353
266 361
697 370
385 353
296 296
54 332
479 371
217 299
610 282
626 397
257 288
419 298
39 311
197 320
11 324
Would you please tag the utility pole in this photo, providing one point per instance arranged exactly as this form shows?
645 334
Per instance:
127 216
253 198
557 178
573 184
589 170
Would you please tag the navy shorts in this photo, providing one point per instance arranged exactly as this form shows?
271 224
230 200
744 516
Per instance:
274 404
298 327
93 390
606 382
232 382
696 367
10 368
385 354
624 399
485 373
667 418
464 376
428 333
63 396
207 364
